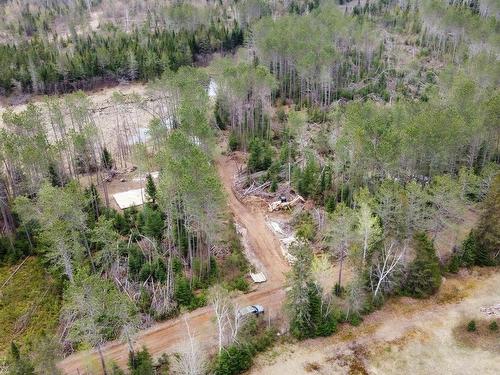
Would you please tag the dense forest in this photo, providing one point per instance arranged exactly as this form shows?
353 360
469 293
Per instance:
383 117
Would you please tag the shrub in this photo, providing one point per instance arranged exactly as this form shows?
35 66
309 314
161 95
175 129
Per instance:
469 251
140 363
19 364
274 186
233 360
197 302
355 319
106 159
233 142
263 341
327 326
183 293
153 223
470 254
305 227
454 263
135 260
260 157
239 284
144 303
10 252
306 179
115 370
493 326
471 326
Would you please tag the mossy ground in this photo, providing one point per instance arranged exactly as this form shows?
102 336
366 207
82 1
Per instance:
29 304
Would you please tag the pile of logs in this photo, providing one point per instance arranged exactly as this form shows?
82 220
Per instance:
252 184
282 205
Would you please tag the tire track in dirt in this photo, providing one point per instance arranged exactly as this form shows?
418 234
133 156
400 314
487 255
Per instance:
167 337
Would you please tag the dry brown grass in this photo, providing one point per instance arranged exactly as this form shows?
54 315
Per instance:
312 367
353 360
483 337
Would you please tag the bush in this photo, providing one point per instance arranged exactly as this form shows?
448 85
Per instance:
493 326
135 261
197 302
115 370
239 284
306 179
140 363
144 303
327 326
355 319
469 251
470 254
260 157
274 186
316 115
233 360
306 228
454 263
233 142
153 223
183 293
261 342
471 326
9 253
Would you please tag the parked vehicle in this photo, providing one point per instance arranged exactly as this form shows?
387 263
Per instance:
252 310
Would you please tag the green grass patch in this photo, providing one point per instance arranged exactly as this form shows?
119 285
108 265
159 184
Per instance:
29 304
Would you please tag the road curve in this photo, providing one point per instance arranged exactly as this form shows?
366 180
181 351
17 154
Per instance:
168 336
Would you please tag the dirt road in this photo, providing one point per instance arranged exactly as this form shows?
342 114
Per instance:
167 337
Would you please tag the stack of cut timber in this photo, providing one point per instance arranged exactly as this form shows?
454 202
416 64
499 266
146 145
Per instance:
279 205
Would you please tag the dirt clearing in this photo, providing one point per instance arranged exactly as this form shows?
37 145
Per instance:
406 336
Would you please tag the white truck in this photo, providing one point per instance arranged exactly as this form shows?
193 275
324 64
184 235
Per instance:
253 309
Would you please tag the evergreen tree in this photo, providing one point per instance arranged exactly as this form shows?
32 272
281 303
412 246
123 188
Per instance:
488 228
308 317
106 159
18 363
153 223
150 189
141 363
424 274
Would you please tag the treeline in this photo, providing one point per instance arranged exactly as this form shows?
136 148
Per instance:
81 62
453 132
316 56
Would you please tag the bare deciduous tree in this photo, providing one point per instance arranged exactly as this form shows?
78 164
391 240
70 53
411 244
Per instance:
191 359
227 316
385 263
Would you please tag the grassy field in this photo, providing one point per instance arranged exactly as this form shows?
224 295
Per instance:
29 304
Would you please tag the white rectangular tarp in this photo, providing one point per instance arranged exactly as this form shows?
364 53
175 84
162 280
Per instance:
130 198
258 277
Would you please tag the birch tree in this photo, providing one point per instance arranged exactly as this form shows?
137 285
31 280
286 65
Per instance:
227 317
191 359
385 263
369 229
